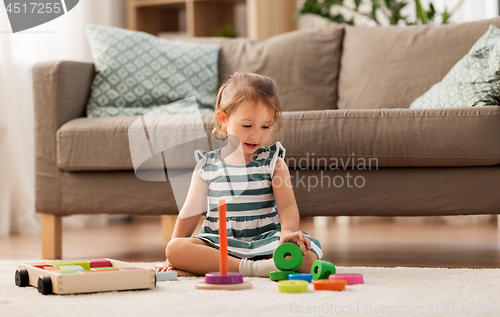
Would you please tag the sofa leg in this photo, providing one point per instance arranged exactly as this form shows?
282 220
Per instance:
51 237
167 226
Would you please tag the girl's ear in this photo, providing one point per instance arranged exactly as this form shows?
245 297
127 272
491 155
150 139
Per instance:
221 116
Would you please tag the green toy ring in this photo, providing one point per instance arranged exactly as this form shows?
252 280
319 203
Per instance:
279 275
322 269
288 257
295 286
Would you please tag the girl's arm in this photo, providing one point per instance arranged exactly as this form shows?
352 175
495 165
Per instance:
193 207
287 207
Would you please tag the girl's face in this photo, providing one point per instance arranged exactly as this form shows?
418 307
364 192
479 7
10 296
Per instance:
251 122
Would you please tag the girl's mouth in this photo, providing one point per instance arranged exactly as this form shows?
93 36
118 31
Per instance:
251 145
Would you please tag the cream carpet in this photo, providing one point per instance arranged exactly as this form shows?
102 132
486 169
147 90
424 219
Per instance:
387 292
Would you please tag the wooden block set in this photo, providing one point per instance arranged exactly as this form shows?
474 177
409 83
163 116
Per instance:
288 258
84 276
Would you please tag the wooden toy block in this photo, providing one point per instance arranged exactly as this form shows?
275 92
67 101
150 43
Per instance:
166 276
106 269
179 272
71 268
84 263
99 263
51 268
41 265
73 282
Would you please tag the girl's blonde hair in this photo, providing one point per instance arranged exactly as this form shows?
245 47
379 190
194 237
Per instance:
247 87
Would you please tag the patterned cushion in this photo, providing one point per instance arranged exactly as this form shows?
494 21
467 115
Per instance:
473 81
137 72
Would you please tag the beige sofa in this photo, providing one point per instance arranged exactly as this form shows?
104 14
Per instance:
344 92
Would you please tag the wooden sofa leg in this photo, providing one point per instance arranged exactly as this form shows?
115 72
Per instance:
51 237
167 226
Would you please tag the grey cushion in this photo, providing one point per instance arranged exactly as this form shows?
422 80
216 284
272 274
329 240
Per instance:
381 138
389 67
304 63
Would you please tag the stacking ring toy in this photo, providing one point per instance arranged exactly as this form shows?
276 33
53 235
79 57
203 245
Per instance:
301 276
288 257
279 275
322 269
229 278
351 279
329 285
292 286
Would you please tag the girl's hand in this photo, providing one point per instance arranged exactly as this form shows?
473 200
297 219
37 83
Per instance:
166 267
298 238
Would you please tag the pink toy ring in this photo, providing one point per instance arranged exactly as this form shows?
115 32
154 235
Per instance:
351 279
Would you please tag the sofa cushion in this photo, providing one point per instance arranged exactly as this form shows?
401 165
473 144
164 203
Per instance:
137 72
304 63
473 81
389 67
331 138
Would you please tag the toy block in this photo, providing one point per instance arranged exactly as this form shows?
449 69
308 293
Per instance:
166 276
51 268
84 264
41 266
99 263
106 269
71 268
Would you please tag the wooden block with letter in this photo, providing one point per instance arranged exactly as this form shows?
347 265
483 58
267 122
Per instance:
53 279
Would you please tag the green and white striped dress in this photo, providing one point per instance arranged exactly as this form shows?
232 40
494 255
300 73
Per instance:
253 224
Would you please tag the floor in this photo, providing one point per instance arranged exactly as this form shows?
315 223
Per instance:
367 241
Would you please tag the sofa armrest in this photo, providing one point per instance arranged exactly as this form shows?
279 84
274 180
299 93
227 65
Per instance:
60 92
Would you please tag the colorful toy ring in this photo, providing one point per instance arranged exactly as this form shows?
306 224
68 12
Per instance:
279 275
301 276
322 269
329 285
292 286
288 257
351 279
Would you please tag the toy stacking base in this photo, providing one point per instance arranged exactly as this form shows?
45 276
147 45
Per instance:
229 281
229 287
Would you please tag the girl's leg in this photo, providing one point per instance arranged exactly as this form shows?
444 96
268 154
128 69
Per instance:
196 256
309 259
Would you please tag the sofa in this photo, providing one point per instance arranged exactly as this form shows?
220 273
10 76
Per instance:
352 145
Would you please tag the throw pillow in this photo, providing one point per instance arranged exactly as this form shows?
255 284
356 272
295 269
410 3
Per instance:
473 81
137 72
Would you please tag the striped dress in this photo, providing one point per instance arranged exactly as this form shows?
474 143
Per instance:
253 224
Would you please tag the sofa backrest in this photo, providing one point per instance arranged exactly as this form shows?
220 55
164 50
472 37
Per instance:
304 63
389 67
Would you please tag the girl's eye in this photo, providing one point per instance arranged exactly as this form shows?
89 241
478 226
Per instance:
247 126
265 127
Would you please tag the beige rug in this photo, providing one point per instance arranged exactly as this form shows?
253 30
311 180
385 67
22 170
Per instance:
387 292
